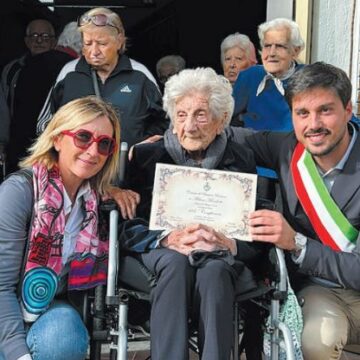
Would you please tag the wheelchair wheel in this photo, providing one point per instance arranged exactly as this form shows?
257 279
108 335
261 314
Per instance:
113 354
98 323
99 308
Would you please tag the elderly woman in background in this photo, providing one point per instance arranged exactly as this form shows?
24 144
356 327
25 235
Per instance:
199 104
49 232
69 40
237 54
105 70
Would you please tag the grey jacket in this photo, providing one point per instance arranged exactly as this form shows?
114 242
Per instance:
16 200
128 88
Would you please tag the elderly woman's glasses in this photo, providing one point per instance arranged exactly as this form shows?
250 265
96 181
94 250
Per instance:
83 139
98 20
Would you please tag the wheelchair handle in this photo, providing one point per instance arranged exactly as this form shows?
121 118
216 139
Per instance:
108 205
113 253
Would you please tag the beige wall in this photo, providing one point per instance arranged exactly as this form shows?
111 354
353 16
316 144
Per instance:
303 17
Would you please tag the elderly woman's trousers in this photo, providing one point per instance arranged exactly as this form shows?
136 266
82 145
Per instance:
205 295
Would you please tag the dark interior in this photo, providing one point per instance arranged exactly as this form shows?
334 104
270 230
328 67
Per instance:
193 29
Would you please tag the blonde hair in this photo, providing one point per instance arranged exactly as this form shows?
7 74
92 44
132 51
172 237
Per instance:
115 19
70 116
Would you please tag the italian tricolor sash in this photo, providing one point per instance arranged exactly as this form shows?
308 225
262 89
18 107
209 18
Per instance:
328 221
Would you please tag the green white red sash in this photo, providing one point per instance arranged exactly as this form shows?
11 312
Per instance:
328 221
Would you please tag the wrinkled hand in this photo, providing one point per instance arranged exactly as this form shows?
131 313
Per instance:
198 237
127 200
270 226
151 139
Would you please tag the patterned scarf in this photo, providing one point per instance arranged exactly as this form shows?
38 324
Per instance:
88 264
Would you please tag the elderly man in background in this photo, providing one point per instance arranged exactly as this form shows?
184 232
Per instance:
237 54
199 104
259 90
39 38
106 71
36 77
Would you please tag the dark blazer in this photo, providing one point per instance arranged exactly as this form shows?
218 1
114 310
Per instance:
274 150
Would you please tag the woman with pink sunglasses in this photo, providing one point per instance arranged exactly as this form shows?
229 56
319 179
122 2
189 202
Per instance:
50 244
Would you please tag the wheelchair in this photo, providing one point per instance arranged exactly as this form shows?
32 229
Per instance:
106 310
109 306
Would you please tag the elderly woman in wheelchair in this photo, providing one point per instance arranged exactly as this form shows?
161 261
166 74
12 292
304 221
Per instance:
197 268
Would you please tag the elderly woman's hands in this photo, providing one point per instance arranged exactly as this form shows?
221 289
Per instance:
198 237
127 200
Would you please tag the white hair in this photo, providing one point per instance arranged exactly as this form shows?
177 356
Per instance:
71 37
235 40
200 80
296 40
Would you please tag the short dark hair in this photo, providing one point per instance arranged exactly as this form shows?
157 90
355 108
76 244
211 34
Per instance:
319 75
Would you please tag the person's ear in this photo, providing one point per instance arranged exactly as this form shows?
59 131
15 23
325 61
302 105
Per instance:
221 126
27 42
349 110
57 142
120 38
296 51
53 42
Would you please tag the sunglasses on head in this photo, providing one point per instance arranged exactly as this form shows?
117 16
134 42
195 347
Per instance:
98 20
83 139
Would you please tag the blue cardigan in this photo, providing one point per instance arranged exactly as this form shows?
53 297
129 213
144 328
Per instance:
267 111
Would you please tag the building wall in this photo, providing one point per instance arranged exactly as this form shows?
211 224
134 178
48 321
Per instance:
331 30
335 37
279 8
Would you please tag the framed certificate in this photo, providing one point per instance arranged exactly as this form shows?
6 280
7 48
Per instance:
186 195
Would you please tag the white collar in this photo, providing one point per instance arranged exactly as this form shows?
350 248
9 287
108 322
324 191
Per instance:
84 189
277 80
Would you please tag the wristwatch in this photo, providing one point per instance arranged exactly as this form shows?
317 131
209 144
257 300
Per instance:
300 243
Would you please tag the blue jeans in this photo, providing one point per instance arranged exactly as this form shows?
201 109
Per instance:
58 334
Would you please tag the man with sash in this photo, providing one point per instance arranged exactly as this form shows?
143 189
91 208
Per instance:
318 165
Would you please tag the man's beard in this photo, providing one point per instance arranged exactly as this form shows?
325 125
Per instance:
331 147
